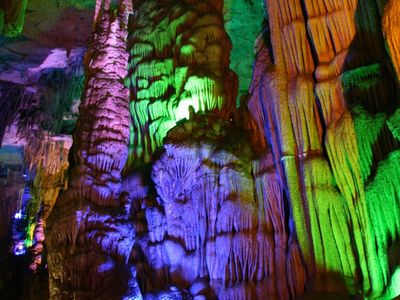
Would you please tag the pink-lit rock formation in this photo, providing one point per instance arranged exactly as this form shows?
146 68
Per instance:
89 239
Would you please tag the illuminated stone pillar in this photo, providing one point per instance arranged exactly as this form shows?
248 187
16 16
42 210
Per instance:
90 239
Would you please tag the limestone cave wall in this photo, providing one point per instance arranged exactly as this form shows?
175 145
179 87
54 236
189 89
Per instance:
186 173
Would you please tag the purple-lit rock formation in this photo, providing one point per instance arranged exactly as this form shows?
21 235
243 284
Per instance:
221 223
90 239
169 190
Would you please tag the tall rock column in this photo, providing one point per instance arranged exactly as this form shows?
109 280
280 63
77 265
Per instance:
284 105
90 238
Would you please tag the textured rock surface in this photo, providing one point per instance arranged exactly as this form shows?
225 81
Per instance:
41 76
179 58
11 186
391 28
324 103
222 218
41 68
294 194
243 22
89 239
48 161
12 16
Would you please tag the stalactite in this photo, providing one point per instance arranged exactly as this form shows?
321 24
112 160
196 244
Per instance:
354 94
47 160
11 109
14 17
212 200
183 62
391 29
175 193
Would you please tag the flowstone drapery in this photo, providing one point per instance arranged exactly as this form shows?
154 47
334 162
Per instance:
325 105
173 192
179 58
223 217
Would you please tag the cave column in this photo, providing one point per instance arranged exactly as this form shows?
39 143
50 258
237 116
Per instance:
90 237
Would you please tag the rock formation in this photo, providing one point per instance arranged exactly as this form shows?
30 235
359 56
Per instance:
325 104
90 239
176 189
222 216
12 16
179 58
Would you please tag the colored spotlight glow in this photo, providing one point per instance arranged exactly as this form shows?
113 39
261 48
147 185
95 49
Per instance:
18 215
19 248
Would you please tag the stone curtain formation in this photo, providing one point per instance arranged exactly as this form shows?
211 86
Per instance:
326 106
179 58
184 182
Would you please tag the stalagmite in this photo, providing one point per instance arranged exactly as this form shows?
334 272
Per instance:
223 224
88 247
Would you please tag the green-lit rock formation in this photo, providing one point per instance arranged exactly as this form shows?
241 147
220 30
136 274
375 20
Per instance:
179 58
